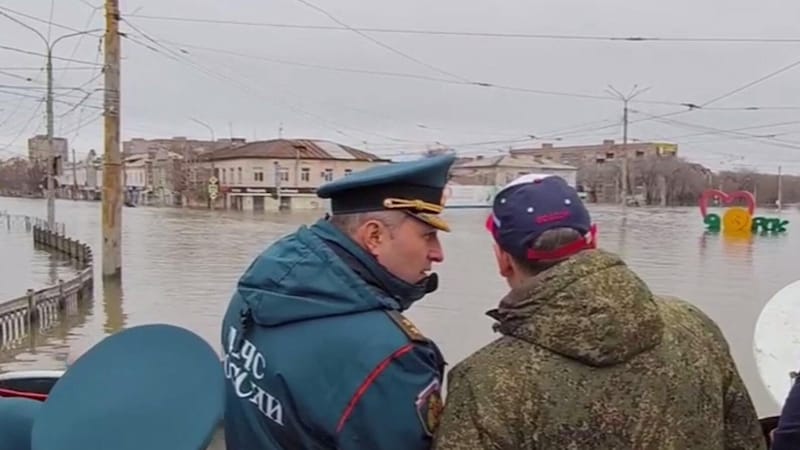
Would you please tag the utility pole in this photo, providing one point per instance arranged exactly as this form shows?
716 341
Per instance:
112 160
624 166
780 189
278 183
74 176
50 159
213 147
51 170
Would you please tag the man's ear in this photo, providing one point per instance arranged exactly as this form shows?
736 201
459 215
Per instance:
504 265
371 235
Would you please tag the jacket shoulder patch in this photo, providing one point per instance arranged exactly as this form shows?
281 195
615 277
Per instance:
429 407
404 324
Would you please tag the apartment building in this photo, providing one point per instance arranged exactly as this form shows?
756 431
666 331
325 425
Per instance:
38 147
579 155
283 174
83 179
177 144
158 177
501 169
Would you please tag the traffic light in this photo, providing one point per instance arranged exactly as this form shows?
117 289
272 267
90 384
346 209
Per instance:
58 166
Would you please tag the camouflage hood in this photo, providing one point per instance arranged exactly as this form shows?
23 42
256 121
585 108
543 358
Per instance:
591 308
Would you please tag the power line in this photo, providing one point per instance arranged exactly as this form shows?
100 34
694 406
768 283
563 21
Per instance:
752 83
29 52
403 75
692 107
38 97
38 88
24 127
752 127
13 75
49 23
181 58
484 34
768 141
183 46
381 44
41 68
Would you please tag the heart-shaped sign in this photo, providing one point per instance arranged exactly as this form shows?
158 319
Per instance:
727 199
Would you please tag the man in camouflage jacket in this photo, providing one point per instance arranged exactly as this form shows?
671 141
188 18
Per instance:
589 358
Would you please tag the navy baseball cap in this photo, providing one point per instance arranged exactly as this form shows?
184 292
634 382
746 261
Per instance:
532 204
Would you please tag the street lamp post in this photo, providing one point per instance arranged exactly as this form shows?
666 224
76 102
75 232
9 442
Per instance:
213 141
50 169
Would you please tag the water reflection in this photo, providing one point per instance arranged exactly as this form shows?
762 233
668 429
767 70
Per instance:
739 246
25 265
49 345
112 305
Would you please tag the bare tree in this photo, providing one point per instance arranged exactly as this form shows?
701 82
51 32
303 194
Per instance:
657 180
19 176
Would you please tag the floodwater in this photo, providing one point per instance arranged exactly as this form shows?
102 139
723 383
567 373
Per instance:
181 265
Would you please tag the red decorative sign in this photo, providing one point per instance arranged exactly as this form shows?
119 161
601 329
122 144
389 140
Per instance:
737 219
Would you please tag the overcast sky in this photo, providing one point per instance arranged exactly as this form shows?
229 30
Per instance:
322 83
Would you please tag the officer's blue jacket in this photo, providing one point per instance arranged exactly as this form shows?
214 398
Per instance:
318 356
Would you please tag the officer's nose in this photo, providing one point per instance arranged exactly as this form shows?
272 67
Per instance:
435 252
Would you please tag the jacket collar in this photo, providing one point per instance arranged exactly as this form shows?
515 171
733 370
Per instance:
368 268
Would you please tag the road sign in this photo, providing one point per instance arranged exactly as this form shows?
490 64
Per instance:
213 180
213 189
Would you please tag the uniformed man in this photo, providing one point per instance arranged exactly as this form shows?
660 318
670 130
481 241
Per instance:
589 357
316 350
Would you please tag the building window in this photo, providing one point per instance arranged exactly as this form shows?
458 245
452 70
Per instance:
284 175
258 174
238 175
327 175
347 172
223 175
305 174
609 155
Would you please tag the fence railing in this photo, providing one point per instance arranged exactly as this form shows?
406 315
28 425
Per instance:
41 308
19 221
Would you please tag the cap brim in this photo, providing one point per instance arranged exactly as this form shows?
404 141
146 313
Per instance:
431 219
147 387
16 421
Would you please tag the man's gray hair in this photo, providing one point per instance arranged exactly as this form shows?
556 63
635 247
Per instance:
349 223
550 240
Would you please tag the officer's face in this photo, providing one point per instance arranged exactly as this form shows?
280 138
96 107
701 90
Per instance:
408 250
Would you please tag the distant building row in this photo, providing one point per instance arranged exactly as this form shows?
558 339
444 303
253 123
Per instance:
285 173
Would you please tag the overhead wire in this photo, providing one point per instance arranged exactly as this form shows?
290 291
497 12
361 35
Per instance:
483 34
705 105
60 58
768 141
752 83
637 39
24 127
382 44
181 57
751 127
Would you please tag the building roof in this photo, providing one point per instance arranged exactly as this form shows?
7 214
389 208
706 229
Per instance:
516 161
294 149
606 145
